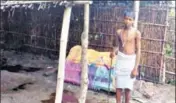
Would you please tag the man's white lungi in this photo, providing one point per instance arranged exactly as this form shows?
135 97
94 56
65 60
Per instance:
123 67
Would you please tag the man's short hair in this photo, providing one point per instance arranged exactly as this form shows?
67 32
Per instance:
129 13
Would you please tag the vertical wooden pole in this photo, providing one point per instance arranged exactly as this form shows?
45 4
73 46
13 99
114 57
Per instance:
62 54
84 62
162 68
136 10
164 73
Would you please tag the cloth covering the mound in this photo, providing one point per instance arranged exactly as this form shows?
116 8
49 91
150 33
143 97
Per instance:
124 66
93 56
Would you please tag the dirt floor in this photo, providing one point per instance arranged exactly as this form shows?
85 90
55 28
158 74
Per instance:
41 87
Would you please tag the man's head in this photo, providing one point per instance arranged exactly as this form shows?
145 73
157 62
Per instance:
128 18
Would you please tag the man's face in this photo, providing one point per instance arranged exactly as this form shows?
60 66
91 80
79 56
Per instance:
128 21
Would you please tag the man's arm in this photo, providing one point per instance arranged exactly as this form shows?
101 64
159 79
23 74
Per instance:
138 49
115 44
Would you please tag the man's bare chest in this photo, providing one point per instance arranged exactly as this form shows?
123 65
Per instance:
127 38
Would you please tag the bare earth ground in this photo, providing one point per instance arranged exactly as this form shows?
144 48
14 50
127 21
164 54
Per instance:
43 86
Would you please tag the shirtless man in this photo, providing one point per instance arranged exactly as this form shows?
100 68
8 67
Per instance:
127 50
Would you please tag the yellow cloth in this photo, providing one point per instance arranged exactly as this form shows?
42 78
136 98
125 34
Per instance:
93 56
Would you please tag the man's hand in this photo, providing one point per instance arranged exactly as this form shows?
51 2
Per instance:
134 73
112 54
107 66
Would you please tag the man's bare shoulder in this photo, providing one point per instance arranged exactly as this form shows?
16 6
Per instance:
138 34
118 31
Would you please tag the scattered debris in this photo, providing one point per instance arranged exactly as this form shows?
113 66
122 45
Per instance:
147 96
18 68
49 71
68 97
3 61
147 89
21 87
15 68
139 100
10 80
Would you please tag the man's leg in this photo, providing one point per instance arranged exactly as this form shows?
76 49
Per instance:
127 95
118 95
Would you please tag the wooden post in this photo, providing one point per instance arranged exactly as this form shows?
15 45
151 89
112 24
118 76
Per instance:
162 68
164 73
62 54
136 10
84 62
